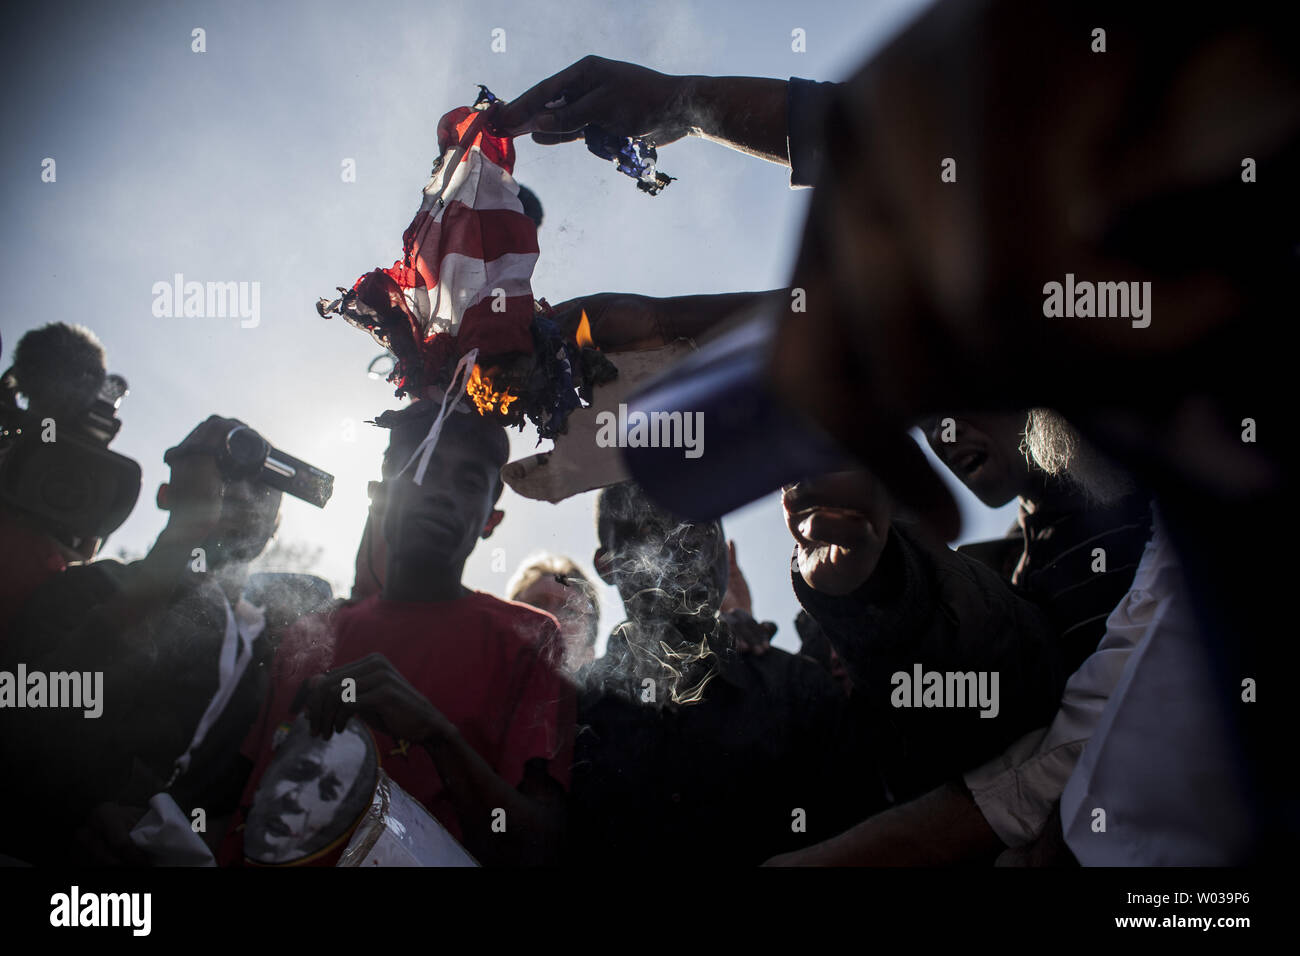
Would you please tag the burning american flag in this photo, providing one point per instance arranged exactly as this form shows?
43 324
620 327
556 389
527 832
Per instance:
463 284
463 289
469 253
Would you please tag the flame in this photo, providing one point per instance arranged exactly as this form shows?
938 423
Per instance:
484 394
583 336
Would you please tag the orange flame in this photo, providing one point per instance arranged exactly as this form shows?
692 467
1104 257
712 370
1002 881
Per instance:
484 394
583 336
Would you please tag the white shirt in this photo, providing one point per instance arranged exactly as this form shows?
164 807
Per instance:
164 832
244 624
1161 771
1018 789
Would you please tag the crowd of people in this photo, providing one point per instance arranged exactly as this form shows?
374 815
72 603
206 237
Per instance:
1080 691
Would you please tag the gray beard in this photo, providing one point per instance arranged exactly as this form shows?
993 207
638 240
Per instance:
1056 446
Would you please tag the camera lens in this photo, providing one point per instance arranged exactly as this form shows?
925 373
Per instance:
245 450
113 389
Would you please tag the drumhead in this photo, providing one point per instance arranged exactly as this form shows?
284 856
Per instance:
312 795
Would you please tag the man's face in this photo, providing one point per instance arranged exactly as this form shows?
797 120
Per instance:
250 513
574 612
298 802
984 453
440 521
664 568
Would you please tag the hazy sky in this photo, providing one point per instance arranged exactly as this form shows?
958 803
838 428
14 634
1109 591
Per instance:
225 166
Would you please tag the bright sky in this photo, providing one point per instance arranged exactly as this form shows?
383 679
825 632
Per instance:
225 166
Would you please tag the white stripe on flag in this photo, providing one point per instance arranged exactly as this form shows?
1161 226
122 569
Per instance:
464 281
476 182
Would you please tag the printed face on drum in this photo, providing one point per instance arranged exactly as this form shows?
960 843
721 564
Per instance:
311 794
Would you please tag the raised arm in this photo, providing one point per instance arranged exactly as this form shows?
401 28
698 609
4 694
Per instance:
745 113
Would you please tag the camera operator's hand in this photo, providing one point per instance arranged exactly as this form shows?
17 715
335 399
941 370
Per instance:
840 523
622 98
193 496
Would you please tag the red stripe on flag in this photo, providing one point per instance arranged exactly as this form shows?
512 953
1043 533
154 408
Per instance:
485 234
452 129
497 333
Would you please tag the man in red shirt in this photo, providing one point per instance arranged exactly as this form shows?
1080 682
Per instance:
461 689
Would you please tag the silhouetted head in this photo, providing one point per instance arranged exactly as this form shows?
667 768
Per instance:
664 567
440 520
556 585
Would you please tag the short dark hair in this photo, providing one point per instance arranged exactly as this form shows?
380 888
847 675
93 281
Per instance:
627 503
615 503
59 367
409 426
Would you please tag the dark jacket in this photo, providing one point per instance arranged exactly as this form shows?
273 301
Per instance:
158 678
1076 562
930 606
764 764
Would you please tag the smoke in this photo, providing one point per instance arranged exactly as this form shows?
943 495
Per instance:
556 584
672 575
679 668
313 651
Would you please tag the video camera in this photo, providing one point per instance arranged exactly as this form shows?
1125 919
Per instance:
246 454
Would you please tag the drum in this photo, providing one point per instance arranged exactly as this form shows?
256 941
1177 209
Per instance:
328 803
398 831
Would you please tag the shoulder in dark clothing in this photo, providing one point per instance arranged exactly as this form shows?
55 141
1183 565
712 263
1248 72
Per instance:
930 606
59 759
1077 562
760 766
1080 563
1000 554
